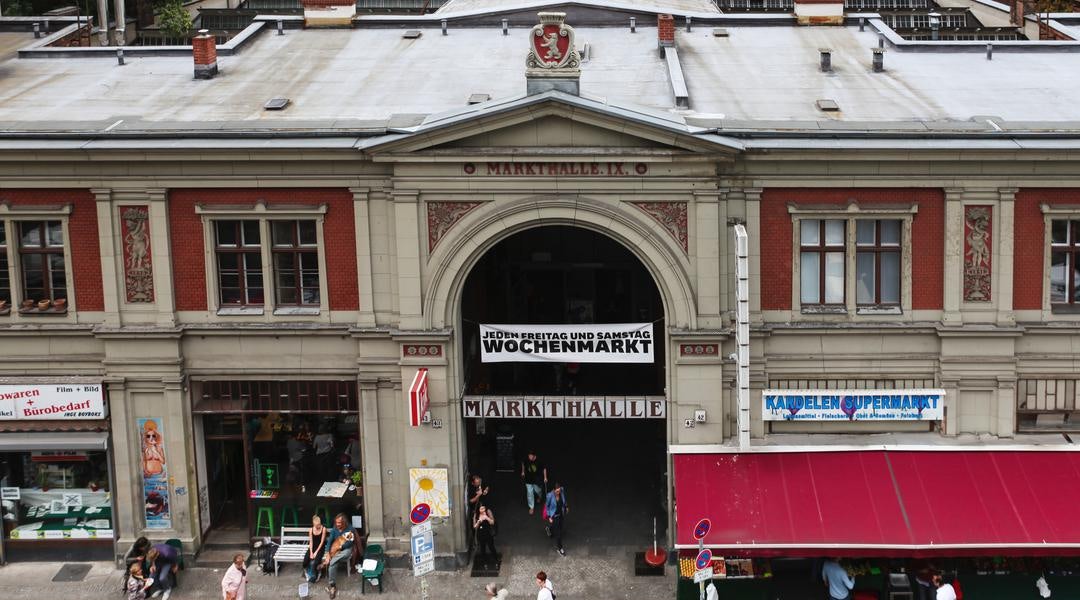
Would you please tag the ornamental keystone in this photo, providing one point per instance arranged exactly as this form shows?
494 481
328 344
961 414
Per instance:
553 62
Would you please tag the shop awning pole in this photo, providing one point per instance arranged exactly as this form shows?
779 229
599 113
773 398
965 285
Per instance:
742 333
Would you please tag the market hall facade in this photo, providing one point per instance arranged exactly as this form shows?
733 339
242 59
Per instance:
256 336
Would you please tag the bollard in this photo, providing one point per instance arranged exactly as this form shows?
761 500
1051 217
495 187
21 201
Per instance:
633 24
879 59
688 24
826 59
506 26
862 23
444 26
280 27
120 56
989 52
37 30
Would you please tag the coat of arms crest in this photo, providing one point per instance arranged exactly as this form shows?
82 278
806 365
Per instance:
552 44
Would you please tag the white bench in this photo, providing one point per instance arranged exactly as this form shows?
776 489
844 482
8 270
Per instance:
293 547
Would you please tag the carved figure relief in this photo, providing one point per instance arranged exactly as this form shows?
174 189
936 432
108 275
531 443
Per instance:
977 259
672 216
138 270
441 216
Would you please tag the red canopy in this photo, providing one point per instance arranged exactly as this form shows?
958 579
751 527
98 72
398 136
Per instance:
881 503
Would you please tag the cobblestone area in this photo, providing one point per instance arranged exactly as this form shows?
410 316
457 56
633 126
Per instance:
597 574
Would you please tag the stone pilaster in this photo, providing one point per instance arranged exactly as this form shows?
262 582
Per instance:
706 257
954 256
161 257
112 281
1003 257
369 437
407 238
364 279
753 229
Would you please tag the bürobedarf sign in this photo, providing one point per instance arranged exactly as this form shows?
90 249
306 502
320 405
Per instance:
51 401
611 343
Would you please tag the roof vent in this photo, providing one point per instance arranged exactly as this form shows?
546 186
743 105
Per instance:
827 105
478 98
412 34
720 32
276 103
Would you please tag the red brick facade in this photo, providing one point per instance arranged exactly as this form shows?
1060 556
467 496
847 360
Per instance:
339 237
1029 244
83 239
927 238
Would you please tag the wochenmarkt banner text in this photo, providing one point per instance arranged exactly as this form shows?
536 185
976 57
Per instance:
613 343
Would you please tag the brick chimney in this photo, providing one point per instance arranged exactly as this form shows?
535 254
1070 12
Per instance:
1016 13
665 31
204 49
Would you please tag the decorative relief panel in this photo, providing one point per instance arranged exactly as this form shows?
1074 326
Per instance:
441 216
978 221
699 349
671 215
138 271
417 350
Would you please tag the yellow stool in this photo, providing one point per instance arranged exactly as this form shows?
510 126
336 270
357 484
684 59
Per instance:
264 519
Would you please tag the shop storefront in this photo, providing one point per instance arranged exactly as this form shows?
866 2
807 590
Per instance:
275 453
56 476
996 519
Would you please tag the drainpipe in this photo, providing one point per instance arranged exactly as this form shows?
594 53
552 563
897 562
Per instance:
742 333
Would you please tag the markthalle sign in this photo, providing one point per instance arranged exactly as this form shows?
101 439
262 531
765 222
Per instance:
612 343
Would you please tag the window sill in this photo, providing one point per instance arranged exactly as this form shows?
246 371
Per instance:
1065 309
43 311
307 311
240 311
879 310
824 310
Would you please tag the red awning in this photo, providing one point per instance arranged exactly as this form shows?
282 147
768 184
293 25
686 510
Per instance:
881 503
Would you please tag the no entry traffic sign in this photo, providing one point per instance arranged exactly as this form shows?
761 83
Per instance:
703 560
420 513
702 529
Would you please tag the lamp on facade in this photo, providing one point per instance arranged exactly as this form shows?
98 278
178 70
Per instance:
935 25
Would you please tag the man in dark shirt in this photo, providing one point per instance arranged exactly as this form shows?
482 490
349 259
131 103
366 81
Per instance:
534 474
477 492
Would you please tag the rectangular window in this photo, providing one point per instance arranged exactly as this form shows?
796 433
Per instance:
296 263
877 262
41 252
239 261
822 261
5 277
1064 252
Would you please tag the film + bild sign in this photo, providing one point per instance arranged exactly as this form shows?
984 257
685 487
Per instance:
59 401
853 405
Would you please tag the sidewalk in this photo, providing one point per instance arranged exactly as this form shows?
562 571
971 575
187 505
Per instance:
594 574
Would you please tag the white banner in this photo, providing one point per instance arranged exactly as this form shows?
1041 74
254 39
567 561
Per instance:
853 405
63 401
614 343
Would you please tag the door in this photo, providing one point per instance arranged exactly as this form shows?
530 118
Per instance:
228 490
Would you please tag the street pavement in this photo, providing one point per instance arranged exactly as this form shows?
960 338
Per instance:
596 574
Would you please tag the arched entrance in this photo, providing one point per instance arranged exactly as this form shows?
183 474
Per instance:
613 469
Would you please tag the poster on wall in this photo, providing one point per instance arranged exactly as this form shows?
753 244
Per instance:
853 405
613 343
432 487
155 474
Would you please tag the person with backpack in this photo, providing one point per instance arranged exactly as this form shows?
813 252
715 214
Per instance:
555 510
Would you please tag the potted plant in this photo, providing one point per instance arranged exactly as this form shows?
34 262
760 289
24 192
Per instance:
44 304
59 303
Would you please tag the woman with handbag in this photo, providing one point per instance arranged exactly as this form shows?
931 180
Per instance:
234 584
484 526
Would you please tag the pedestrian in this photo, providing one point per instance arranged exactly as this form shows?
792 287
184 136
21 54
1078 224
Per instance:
340 547
164 561
494 592
137 554
316 549
477 491
546 591
533 474
555 510
234 583
837 580
710 591
137 584
484 527
945 591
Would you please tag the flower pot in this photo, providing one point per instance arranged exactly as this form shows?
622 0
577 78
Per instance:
59 303
44 304
28 304
3 304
